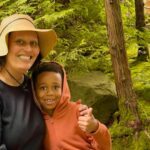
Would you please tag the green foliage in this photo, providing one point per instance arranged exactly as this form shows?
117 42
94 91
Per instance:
10 7
140 75
49 20
128 12
85 9
84 40
132 142
143 142
3 3
80 27
71 60
144 110
128 17
123 136
82 46
144 37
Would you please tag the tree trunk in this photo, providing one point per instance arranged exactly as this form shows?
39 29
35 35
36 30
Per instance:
139 10
126 95
143 53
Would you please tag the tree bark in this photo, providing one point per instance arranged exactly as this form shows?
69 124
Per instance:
125 92
143 53
139 11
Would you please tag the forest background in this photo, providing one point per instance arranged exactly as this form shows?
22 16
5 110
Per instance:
83 46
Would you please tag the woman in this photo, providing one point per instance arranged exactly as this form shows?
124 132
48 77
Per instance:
67 129
21 44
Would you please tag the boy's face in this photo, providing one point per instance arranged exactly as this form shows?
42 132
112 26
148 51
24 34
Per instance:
48 90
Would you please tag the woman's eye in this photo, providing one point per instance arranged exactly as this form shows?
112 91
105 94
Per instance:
20 42
34 44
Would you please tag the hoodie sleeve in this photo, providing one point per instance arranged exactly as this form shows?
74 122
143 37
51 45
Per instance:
101 139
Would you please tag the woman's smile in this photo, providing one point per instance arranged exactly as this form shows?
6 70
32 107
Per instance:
22 52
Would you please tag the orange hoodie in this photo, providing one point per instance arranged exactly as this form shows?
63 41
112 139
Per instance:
63 132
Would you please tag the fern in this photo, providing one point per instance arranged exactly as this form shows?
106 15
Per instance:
50 19
3 3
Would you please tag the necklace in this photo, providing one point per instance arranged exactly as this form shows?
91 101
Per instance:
12 76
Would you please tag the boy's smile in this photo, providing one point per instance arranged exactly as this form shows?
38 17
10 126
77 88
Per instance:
49 90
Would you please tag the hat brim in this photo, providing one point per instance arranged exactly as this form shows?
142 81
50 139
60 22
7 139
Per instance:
47 40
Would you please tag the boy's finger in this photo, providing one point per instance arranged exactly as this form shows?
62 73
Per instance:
84 112
90 111
83 107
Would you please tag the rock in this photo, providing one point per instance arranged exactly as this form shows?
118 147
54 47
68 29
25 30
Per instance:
96 90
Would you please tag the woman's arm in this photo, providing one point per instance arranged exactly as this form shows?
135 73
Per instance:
2 146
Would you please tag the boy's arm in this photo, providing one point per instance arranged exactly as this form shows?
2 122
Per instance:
100 135
102 138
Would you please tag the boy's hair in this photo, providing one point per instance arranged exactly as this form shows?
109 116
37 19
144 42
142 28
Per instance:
47 66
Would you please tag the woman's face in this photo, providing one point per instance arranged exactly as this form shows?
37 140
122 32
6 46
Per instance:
48 90
23 49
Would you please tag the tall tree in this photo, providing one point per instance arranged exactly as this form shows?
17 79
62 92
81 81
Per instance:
143 52
139 11
127 97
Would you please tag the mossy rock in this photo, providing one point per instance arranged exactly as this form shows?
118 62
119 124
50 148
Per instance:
97 91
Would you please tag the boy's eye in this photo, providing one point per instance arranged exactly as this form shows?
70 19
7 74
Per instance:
43 88
56 87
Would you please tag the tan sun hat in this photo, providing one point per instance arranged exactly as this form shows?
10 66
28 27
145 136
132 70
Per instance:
19 22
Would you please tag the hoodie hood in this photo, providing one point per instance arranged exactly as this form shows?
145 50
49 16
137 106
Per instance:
65 97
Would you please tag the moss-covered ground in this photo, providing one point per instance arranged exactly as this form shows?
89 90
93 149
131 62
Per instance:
124 138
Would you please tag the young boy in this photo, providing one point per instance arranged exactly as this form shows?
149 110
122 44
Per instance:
67 127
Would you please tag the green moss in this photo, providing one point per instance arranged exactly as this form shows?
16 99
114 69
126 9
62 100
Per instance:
132 143
118 130
144 110
124 139
142 142
123 143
